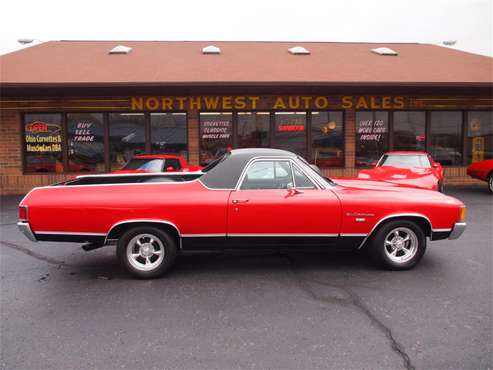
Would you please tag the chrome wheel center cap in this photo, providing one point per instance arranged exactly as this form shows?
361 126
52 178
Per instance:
399 243
145 251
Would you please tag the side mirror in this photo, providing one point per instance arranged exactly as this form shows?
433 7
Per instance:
374 163
170 169
316 169
436 165
292 189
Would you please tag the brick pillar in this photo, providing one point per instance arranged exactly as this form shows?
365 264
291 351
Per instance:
10 143
349 140
193 136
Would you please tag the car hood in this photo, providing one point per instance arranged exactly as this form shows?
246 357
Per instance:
369 184
358 189
389 173
417 176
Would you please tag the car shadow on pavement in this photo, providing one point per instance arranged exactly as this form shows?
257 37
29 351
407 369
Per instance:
235 264
106 267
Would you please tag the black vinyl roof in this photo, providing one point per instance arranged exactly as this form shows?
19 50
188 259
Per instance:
226 174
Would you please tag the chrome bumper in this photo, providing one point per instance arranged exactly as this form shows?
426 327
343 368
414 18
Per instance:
26 230
457 231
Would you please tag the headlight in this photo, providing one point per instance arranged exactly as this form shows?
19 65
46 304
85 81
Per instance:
462 214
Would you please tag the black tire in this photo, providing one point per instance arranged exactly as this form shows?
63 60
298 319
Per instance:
161 241
490 183
381 251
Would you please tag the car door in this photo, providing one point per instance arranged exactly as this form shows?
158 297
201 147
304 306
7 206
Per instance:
276 203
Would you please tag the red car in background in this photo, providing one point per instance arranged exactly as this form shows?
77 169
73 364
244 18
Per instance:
416 169
482 171
157 163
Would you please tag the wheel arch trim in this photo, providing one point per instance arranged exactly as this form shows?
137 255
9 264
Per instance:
149 221
396 215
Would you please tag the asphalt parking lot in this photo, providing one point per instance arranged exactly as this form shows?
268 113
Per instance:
65 308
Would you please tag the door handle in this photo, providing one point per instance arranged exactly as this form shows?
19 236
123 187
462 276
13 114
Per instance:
236 201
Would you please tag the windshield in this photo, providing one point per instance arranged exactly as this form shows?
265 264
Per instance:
404 160
143 164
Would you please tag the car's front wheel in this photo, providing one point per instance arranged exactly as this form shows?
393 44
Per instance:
146 252
490 182
398 245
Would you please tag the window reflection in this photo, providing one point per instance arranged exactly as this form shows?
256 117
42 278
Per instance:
169 134
446 138
43 142
372 131
479 136
290 132
127 137
216 135
327 139
253 129
409 131
85 142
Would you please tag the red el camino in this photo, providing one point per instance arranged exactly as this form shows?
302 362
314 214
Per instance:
407 168
482 170
248 199
157 163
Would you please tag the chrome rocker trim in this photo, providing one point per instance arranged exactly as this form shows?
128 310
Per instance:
26 230
457 230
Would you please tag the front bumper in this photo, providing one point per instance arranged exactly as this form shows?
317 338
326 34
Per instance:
26 230
457 231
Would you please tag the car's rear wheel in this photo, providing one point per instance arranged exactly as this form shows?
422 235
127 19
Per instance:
490 182
398 245
146 252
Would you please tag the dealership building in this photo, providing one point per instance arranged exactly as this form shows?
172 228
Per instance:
70 107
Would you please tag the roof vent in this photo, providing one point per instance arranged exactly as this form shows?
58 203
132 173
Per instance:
211 49
299 50
384 51
120 49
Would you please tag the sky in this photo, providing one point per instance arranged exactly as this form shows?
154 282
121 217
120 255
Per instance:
468 22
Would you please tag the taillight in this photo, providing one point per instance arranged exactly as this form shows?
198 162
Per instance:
22 213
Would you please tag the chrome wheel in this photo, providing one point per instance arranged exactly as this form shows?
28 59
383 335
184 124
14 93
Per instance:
401 245
490 183
145 252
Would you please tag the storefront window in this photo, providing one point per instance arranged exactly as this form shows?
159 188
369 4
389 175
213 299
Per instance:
409 131
372 133
43 142
446 138
479 136
216 135
253 129
169 134
85 142
290 132
127 137
327 139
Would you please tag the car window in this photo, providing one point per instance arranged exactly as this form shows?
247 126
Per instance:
301 180
405 160
173 162
144 164
268 175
